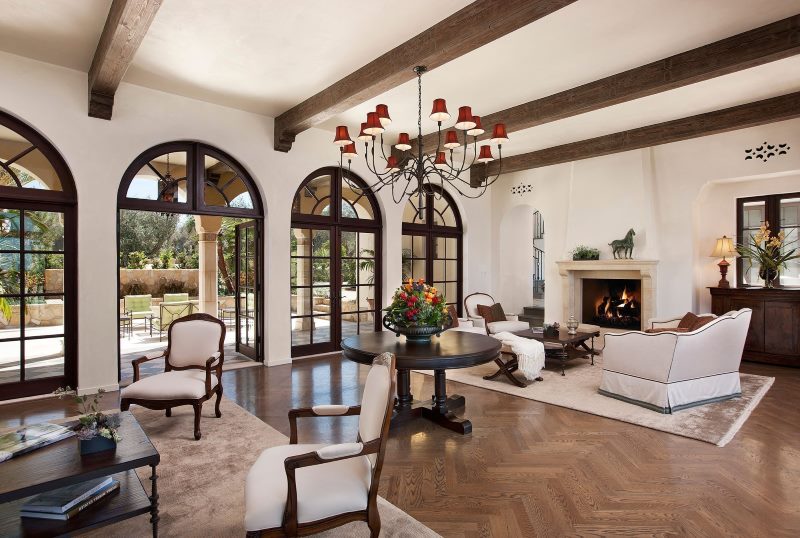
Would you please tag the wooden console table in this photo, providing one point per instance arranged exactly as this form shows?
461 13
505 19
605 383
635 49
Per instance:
774 333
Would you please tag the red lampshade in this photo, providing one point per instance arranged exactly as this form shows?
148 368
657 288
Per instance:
342 136
349 152
477 130
364 137
383 115
391 164
439 112
464 121
451 141
499 134
441 160
486 154
403 142
374 126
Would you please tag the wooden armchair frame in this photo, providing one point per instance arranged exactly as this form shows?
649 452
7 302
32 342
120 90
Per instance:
213 365
291 527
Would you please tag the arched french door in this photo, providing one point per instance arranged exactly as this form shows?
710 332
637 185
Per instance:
38 264
433 243
190 178
335 261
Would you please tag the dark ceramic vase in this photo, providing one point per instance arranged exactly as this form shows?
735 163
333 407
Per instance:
97 444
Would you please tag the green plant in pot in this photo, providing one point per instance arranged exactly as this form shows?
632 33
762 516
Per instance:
770 252
582 252
96 431
418 311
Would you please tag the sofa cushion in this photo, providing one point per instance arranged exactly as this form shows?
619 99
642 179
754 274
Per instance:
322 490
173 385
453 315
687 321
507 326
701 321
667 330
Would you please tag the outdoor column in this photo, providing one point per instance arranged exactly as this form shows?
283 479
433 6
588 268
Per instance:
207 231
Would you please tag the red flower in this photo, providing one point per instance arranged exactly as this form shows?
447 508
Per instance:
435 300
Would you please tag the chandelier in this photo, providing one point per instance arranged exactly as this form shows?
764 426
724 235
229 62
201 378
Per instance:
412 173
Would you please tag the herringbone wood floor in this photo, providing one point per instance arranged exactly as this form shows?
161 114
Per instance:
531 469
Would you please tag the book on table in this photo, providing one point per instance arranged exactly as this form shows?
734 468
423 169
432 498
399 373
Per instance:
30 438
66 502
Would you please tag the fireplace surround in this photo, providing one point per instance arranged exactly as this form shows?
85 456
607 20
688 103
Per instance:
573 274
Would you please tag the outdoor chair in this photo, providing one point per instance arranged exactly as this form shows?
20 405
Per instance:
297 489
139 307
176 298
192 369
169 312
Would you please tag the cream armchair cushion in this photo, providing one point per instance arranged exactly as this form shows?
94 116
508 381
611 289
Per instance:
512 324
172 385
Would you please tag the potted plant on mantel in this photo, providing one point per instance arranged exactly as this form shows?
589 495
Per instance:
96 430
582 252
771 252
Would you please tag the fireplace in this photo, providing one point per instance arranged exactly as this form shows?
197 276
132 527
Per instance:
612 302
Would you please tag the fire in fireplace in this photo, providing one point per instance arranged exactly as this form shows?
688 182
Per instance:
612 302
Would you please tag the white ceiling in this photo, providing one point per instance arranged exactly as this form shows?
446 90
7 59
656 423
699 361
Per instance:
268 55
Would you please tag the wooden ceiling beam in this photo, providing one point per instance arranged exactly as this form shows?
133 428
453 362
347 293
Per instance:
781 108
755 47
126 26
475 25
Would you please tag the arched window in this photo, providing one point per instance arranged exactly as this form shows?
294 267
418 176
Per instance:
38 282
335 261
432 243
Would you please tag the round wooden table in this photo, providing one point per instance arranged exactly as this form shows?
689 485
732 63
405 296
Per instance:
452 349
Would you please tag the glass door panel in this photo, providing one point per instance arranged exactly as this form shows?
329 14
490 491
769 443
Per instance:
357 283
445 267
311 282
790 226
247 287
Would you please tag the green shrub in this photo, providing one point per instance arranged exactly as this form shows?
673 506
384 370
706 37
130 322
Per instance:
582 252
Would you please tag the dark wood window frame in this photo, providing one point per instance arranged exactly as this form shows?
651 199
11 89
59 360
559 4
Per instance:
64 201
772 212
430 231
335 224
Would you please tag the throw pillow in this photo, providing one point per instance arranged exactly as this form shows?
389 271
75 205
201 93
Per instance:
485 312
687 321
701 321
453 315
497 312
667 330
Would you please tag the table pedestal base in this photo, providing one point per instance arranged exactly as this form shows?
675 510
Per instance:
440 409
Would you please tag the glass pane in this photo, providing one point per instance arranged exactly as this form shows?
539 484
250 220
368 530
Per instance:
300 241
9 361
366 245
451 292
321 243
419 246
451 270
322 329
366 322
9 318
445 248
9 273
44 273
411 212
355 203
438 271
44 230
349 272
301 331
9 229
442 212
44 358
349 299
366 270
301 268
321 300
314 197
349 324
162 179
418 270
366 296
790 225
301 301
321 271
349 244
34 171
223 187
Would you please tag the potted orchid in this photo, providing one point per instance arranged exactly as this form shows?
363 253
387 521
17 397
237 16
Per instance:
97 431
770 251
418 311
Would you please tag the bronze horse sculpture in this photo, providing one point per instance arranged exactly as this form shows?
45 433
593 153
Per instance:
623 248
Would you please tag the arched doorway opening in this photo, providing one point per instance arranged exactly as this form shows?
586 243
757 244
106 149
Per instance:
335 261
433 243
190 229
38 264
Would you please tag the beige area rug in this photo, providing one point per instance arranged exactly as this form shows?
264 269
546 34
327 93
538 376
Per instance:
714 423
201 483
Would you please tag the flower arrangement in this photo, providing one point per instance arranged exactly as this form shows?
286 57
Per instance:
92 423
416 304
770 251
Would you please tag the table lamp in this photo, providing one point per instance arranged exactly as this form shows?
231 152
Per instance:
723 249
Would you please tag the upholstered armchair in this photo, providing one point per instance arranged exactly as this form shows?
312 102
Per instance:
300 489
511 323
192 369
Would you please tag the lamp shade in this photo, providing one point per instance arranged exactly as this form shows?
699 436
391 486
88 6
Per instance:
403 142
441 160
451 140
724 248
439 111
374 126
486 154
342 136
499 134
383 114
477 130
349 152
364 137
391 164
464 121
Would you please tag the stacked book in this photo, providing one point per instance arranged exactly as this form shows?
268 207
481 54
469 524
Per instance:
66 502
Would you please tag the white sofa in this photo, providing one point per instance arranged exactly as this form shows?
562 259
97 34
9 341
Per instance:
668 371
511 323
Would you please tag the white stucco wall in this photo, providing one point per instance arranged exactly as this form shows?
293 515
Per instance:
54 101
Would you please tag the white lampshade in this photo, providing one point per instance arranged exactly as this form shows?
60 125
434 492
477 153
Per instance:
724 248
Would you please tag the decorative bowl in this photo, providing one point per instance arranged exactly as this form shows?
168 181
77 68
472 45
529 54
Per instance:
418 333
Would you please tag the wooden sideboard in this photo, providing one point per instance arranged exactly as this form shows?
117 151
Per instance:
774 333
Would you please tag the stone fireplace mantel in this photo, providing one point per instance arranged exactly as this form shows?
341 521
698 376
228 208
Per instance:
573 272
